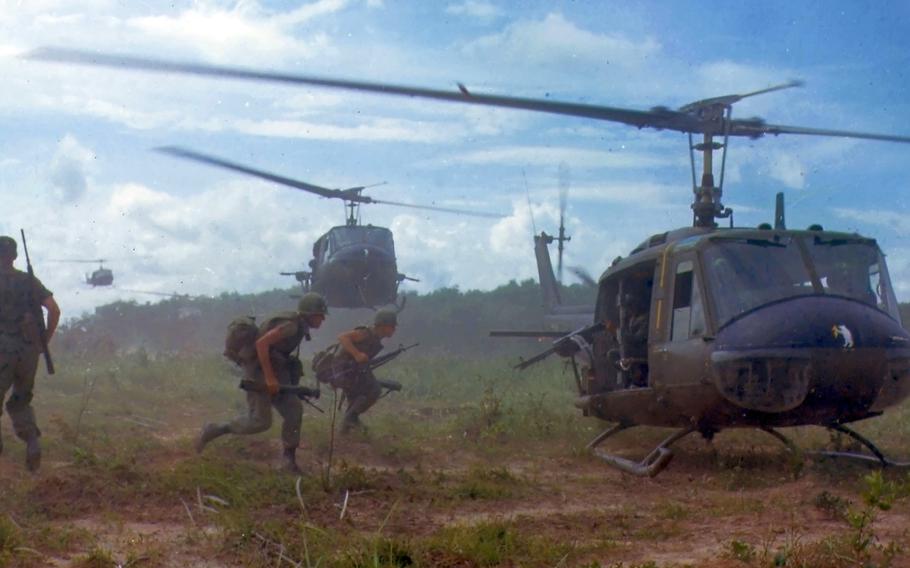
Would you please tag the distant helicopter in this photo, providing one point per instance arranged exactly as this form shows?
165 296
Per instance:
353 265
101 276
705 328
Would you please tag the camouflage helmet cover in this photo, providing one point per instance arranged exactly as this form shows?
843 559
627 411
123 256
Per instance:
386 317
312 303
8 247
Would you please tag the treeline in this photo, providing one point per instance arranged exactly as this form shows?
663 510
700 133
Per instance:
445 322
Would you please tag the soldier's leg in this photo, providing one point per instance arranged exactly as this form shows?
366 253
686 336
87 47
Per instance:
291 410
6 381
19 407
360 399
258 417
290 407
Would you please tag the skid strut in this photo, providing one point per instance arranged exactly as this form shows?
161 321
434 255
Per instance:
654 462
878 456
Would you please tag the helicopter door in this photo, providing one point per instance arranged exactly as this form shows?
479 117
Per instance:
680 357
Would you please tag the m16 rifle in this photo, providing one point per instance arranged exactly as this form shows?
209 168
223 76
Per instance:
382 360
564 346
37 313
303 393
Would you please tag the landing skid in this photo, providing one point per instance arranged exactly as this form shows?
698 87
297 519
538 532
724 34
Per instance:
654 462
878 456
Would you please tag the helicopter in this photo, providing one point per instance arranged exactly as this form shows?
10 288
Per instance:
101 276
353 265
703 328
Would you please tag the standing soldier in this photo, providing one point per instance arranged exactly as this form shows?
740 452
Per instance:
358 347
20 345
274 366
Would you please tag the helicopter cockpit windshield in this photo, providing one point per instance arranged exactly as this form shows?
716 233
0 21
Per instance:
379 237
746 273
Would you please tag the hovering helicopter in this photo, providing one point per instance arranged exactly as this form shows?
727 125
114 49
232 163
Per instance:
101 276
705 328
353 265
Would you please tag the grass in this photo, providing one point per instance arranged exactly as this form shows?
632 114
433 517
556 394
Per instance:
450 473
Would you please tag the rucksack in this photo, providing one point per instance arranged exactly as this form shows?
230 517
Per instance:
240 340
324 363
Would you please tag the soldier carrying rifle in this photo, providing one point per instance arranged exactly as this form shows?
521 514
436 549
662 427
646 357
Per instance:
349 366
272 374
23 338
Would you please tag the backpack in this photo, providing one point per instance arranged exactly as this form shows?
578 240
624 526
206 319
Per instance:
324 363
240 340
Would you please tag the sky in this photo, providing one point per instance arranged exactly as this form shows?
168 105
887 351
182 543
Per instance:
78 174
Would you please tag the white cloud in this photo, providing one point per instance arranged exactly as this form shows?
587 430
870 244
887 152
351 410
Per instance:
557 41
474 9
244 33
70 167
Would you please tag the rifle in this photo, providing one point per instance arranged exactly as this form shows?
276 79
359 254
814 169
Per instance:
377 362
564 346
36 309
303 393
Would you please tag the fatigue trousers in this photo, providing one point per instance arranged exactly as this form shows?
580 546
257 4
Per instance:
17 370
259 405
361 394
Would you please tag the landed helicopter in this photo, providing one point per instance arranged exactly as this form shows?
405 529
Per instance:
101 276
704 328
353 265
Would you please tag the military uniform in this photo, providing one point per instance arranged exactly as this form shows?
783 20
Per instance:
361 389
295 327
288 371
20 348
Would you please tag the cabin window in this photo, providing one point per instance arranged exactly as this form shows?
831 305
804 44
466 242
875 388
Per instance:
688 311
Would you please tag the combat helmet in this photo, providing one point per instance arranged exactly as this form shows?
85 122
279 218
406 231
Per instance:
386 317
311 304
8 247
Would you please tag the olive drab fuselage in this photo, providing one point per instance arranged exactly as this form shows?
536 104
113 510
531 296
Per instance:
355 266
718 328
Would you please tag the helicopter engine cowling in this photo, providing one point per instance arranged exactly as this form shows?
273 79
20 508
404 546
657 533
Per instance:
811 359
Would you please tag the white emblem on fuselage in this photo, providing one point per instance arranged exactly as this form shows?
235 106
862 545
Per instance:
843 332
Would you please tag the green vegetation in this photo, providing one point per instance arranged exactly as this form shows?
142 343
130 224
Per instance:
471 464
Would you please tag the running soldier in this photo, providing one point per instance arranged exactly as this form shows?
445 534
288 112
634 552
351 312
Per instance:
21 345
358 347
272 366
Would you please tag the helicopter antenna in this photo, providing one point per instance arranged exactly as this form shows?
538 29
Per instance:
530 209
563 202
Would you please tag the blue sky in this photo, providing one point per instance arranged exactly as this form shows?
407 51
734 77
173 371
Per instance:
77 172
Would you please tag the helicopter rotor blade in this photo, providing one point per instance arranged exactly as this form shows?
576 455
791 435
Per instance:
351 194
756 129
583 275
563 175
79 260
660 118
664 118
727 100
442 209
166 294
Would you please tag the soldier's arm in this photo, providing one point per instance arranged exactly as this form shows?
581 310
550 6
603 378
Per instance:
347 339
53 316
263 345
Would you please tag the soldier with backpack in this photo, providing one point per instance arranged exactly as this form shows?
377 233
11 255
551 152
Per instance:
266 355
357 348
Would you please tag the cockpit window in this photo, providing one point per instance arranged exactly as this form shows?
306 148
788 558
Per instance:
853 268
349 236
744 274
748 273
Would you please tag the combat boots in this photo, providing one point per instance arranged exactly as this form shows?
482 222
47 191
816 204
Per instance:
289 461
210 432
33 454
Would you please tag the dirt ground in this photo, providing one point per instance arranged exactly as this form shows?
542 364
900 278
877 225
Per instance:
725 504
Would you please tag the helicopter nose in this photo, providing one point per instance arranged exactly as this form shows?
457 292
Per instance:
822 353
